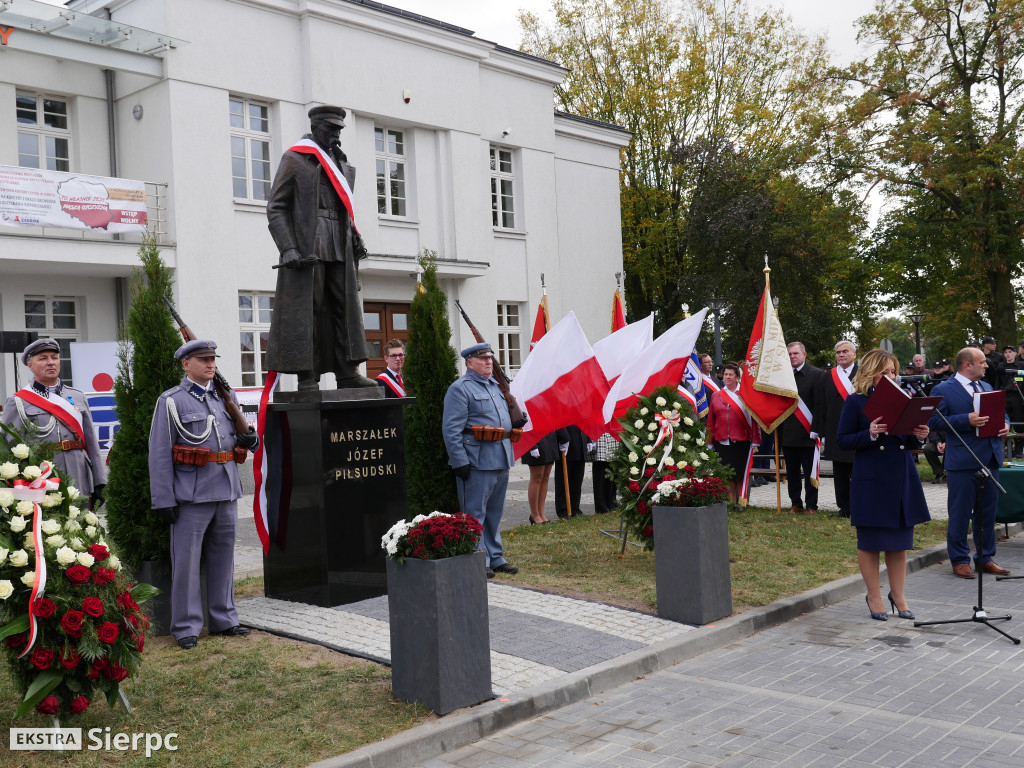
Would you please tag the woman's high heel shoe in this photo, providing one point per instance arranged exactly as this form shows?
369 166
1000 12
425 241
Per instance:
908 614
876 616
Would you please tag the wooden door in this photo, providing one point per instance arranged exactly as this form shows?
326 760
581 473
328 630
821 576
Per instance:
383 322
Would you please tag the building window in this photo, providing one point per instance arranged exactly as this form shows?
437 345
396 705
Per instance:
502 188
509 336
250 149
254 311
44 139
55 317
389 146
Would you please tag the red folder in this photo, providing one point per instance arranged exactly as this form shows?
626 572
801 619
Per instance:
993 405
900 412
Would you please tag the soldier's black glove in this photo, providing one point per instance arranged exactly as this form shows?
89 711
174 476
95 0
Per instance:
358 246
96 499
168 514
249 441
462 471
520 422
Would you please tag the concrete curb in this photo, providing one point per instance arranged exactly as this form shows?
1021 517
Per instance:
426 741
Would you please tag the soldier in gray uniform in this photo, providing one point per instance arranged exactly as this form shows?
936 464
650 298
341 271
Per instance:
480 466
193 479
52 406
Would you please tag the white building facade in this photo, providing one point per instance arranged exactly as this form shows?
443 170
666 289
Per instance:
456 144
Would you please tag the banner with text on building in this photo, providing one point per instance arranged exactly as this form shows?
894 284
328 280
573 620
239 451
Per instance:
30 197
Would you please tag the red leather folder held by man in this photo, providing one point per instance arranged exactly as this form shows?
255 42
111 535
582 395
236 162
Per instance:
900 412
993 405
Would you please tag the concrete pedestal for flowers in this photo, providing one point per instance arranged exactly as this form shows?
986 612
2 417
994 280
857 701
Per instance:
440 639
691 563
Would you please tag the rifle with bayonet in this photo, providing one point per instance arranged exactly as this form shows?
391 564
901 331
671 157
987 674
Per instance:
219 382
518 417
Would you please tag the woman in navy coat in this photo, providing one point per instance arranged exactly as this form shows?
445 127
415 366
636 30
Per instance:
886 498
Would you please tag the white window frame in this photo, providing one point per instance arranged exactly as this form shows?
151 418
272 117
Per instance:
249 135
41 131
257 377
50 331
500 214
388 158
510 336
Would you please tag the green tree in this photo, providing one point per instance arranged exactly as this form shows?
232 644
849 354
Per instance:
933 121
145 369
430 368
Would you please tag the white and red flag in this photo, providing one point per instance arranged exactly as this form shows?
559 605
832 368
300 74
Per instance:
622 347
663 362
767 385
561 383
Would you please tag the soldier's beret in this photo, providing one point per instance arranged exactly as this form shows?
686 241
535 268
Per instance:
37 346
196 347
333 115
483 348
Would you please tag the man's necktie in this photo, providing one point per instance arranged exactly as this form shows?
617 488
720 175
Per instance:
976 385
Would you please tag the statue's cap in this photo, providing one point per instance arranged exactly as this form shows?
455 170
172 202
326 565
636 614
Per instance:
37 346
477 350
328 114
196 347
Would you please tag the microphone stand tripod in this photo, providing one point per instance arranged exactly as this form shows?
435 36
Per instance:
980 476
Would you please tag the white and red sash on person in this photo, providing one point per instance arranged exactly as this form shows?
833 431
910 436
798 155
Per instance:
392 383
803 415
843 384
57 407
737 402
337 178
709 383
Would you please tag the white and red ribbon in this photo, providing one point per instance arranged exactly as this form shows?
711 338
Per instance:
259 465
58 407
34 491
667 430
803 415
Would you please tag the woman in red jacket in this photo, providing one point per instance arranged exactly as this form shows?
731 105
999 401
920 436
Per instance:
731 429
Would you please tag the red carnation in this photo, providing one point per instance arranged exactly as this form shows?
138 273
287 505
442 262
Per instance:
649 472
79 705
16 641
72 623
126 602
140 641
44 607
103 576
643 508
634 486
648 530
99 551
72 661
93 606
42 658
78 574
108 632
49 706
668 478
116 672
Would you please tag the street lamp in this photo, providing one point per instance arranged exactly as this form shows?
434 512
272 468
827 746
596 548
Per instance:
916 320
717 305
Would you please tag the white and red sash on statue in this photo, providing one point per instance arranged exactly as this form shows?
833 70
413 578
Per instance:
392 383
738 404
334 174
803 415
58 407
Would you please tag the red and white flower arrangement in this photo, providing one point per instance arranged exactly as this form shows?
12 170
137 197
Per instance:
432 537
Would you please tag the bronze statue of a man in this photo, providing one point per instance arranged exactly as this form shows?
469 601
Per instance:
317 323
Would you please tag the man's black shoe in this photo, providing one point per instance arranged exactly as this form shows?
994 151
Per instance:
188 643
840 514
235 631
511 570
490 574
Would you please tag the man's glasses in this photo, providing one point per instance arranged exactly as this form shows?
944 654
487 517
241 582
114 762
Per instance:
400 354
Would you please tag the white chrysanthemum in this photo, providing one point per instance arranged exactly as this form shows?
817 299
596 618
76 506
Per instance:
28 578
648 448
90 531
639 423
73 511
73 492
78 544
20 451
72 525
90 518
669 461
56 541
114 562
18 558
17 524
8 470
676 405
633 456
24 507
51 500
699 441
687 421
651 427
6 498
634 471
661 402
86 559
31 472
696 464
6 589
66 556
686 436
49 526
703 456
652 460
644 411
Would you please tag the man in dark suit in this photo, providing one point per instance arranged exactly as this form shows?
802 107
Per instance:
833 387
390 379
797 444
957 406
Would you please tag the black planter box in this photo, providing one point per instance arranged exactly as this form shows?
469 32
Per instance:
440 640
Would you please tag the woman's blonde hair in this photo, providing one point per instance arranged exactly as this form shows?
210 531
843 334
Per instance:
870 366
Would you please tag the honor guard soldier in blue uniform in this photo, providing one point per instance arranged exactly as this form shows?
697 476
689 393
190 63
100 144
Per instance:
62 416
480 465
194 484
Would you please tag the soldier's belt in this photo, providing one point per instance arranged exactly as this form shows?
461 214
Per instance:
328 213
488 434
200 457
66 445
